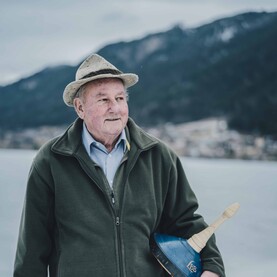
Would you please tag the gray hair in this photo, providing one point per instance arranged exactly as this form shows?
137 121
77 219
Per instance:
81 91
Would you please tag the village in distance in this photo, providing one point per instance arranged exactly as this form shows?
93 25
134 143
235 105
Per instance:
207 138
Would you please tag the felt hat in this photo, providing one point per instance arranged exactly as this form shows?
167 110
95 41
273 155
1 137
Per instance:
95 67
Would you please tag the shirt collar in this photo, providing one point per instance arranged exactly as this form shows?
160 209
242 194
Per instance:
89 140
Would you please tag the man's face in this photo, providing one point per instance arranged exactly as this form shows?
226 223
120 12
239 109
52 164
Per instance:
104 109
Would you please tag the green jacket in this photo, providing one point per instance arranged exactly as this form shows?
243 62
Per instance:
74 224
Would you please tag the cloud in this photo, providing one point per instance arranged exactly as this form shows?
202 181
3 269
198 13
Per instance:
35 34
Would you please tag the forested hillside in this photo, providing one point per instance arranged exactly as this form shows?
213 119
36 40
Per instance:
223 69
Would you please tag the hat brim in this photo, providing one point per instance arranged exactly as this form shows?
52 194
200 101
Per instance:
71 89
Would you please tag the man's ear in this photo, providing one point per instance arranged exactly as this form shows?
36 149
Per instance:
79 107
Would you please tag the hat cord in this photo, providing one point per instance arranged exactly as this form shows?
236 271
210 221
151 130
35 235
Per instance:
102 71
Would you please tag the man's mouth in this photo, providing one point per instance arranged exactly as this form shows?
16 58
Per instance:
112 119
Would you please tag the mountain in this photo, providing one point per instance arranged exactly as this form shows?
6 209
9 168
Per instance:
223 69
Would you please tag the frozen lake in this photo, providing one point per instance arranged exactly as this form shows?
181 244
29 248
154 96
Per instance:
247 242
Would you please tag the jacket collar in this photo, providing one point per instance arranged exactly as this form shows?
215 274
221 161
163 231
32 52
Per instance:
138 137
71 141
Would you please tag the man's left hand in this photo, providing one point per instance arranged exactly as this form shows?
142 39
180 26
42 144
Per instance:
209 274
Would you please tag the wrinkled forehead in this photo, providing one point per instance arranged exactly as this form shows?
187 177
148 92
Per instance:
104 86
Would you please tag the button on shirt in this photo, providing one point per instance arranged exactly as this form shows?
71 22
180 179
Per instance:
109 162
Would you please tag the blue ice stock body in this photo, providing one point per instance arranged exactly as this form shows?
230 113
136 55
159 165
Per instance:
177 257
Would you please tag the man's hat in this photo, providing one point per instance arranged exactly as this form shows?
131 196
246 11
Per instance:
93 68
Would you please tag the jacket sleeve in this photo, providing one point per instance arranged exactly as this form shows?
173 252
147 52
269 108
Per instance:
179 217
34 242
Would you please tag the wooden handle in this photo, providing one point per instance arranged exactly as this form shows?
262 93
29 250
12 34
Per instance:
198 241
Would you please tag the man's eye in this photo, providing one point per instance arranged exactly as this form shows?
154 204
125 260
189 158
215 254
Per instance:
121 98
103 100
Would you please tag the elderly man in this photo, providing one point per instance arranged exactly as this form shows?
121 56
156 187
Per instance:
97 193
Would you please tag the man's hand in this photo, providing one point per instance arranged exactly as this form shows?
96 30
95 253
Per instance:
209 274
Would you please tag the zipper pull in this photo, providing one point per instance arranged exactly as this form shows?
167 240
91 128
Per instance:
113 200
117 222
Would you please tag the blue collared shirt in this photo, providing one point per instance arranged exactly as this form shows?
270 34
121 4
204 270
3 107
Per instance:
108 161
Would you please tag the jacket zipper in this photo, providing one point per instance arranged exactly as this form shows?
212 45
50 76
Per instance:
115 211
117 222
112 196
118 235
112 203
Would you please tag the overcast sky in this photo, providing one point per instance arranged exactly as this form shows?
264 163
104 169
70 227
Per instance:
36 34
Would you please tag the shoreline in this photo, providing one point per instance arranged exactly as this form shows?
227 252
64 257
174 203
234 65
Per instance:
207 138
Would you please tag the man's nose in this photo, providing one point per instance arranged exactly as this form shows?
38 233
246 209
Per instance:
113 105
